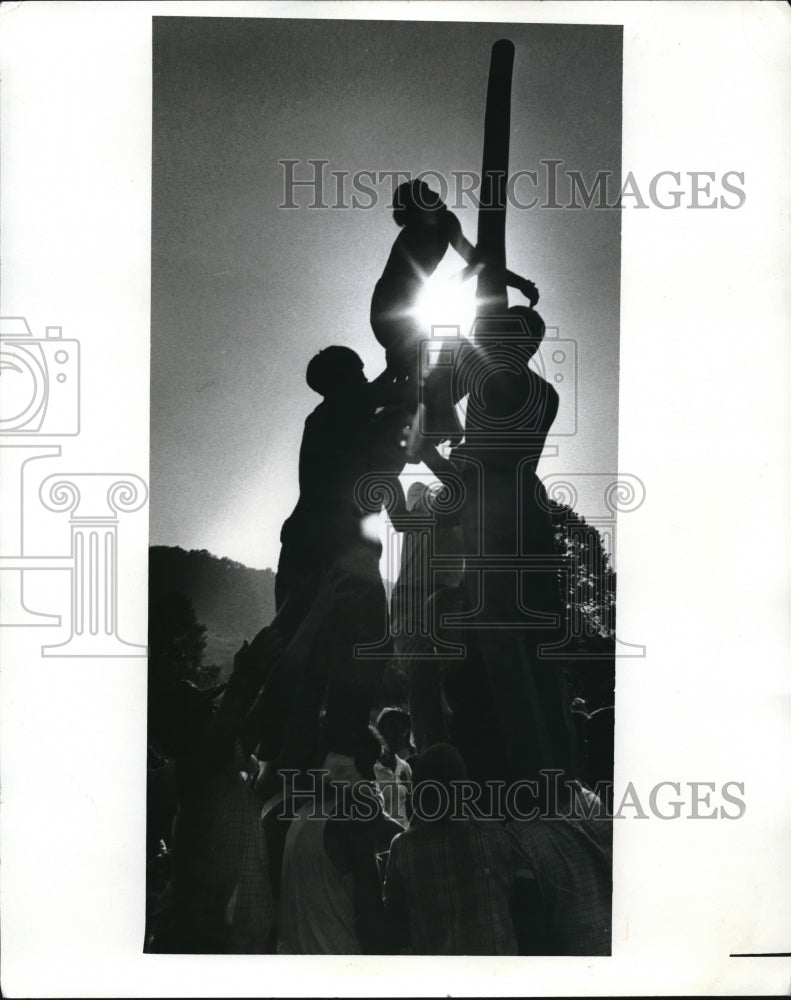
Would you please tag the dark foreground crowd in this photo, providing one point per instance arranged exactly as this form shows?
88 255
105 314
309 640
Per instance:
371 850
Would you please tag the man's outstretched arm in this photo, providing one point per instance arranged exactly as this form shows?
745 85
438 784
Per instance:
469 253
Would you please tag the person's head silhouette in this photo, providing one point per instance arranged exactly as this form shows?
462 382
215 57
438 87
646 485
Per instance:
531 325
415 202
335 371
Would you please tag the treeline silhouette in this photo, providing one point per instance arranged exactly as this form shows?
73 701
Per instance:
231 600
202 606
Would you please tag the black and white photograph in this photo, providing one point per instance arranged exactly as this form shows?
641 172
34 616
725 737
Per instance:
373 229
393 424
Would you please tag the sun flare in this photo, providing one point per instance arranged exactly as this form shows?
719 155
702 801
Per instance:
446 302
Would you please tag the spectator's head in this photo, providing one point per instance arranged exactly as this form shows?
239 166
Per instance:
395 728
414 201
433 775
347 767
179 715
335 371
353 747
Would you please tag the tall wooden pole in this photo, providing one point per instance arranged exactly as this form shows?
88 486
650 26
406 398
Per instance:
492 295
527 695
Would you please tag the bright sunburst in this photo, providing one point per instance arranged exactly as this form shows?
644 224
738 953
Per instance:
447 302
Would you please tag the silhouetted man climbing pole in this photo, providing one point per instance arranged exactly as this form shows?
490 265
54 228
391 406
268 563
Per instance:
325 534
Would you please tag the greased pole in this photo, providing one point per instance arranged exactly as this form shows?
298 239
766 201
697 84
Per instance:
491 292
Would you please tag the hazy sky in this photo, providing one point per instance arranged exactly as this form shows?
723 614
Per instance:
245 292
